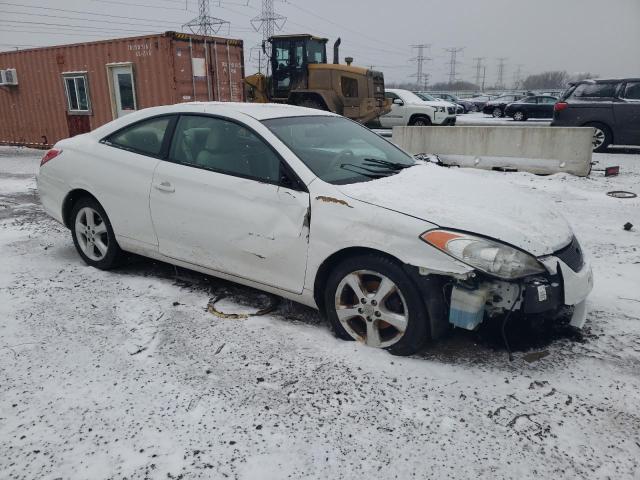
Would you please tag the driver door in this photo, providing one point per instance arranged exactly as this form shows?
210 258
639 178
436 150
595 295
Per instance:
396 116
228 202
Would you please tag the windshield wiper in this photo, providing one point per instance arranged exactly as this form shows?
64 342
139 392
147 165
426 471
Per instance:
369 173
387 163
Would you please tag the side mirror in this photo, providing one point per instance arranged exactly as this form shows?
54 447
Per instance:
397 101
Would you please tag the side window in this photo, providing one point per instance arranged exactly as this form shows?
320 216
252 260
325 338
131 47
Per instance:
144 137
632 91
595 90
349 87
75 89
223 146
548 100
392 96
531 100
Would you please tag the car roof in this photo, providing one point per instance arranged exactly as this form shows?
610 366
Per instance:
259 111
264 111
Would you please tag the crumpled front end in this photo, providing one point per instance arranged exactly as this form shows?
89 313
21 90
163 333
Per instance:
470 299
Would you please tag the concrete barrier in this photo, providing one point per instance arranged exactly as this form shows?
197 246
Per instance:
540 150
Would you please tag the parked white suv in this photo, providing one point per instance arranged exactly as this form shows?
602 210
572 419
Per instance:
409 109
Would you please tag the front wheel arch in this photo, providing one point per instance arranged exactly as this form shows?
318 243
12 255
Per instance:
332 261
416 116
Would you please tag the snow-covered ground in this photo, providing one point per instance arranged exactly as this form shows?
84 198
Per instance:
125 374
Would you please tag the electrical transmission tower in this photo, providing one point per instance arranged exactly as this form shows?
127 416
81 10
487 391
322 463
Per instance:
501 67
268 22
205 24
453 62
517 77
422 79
478 65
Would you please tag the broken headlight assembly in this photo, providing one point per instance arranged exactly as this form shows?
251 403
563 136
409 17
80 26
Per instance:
488 256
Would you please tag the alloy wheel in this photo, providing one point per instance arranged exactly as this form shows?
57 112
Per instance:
497 112
91 233
598 138
518 116
371 308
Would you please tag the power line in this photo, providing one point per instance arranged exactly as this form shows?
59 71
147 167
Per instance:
81 12
205 24
453 62
90 19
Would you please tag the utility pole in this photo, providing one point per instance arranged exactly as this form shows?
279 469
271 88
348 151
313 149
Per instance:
204 23
268 22
501 66
478 66
453 62
420 59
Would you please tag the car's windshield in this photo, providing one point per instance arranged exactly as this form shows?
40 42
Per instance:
427 97
409 97
339 151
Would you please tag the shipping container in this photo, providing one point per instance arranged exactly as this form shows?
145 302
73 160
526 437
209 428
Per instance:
56 92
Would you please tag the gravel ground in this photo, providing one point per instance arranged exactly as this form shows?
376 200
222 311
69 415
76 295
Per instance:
125 374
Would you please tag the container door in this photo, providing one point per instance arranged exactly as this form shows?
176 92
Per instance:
123 90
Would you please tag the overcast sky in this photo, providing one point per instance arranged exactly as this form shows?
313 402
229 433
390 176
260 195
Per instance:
598 36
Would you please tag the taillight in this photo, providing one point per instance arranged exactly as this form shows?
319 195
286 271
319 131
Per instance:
50 155
560 106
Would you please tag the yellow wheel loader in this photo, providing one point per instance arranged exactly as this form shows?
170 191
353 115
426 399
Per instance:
300 75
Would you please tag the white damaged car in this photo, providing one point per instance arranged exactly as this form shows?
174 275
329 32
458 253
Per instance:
318 209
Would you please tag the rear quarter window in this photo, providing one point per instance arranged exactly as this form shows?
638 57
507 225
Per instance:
595 90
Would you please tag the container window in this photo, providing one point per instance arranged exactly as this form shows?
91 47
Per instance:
349 87
77 93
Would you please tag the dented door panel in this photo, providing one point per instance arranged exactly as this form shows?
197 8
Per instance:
230 224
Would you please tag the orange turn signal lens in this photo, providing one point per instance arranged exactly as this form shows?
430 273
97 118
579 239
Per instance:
439 238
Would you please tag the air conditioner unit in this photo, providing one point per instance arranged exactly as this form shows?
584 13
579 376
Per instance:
9 77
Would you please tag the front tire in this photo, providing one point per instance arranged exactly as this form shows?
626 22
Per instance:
420 121
369 298
93 235
497 112
519 116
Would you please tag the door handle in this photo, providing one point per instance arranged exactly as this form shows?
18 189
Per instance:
165 187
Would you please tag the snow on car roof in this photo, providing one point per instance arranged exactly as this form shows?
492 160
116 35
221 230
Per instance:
263 111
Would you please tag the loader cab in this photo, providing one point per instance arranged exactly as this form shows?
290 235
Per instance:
290 57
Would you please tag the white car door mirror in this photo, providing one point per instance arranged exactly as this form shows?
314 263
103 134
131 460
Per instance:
397 101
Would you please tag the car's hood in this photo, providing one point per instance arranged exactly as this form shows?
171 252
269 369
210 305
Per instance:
452 198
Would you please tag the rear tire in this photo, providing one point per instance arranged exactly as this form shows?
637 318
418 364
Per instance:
420 121
602 137
93 235
364 307
497 112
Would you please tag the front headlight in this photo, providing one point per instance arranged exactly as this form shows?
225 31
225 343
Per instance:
486 255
